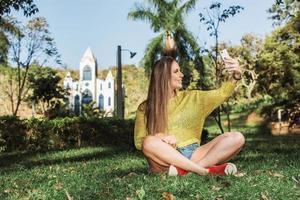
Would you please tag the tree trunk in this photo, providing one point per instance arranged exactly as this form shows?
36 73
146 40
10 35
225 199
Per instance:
218 120
218 117
228 116
21 85
33 110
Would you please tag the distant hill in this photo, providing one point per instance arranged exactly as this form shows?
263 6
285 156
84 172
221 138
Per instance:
134 79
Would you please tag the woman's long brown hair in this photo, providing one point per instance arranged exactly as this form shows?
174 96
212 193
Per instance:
157 100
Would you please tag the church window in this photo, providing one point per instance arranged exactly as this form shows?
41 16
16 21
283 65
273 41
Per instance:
87 73
87 97
109 85
101 102
100 87
77 105
109 101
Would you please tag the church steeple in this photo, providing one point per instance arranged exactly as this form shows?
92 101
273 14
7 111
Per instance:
88 55
88 62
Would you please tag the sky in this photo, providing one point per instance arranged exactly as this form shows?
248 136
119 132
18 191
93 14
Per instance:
102 25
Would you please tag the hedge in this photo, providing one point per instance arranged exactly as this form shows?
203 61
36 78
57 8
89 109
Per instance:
41 134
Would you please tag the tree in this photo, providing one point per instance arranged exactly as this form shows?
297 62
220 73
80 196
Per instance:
27 44
167 19
214 16
27 6
279 62
44 86
284 12
4 46
6 27
247 53
8 87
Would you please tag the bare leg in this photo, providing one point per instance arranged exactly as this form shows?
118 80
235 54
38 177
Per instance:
219 150
162 155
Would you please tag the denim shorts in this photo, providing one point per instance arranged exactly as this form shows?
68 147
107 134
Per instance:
188 150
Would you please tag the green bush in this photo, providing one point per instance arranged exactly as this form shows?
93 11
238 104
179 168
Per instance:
12 133
60 133
39 135
256 104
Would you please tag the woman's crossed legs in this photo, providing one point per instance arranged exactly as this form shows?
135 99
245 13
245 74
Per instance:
161 155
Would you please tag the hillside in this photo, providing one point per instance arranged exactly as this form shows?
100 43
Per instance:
134 80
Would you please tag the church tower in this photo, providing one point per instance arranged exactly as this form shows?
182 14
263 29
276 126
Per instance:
90 88
88 76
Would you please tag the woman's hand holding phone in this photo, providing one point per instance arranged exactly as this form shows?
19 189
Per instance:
231 65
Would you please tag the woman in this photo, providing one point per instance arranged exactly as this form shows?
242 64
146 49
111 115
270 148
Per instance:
169 124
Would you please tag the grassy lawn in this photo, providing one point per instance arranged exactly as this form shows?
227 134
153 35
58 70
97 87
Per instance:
269 169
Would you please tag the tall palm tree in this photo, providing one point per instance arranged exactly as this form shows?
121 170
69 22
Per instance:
167 17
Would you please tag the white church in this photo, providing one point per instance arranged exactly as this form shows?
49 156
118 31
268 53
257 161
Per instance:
89 87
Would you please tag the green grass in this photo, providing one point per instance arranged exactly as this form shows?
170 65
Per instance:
269 169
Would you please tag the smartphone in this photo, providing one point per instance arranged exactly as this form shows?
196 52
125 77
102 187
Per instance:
224 54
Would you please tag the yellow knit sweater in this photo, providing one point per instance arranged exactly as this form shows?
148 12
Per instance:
186 114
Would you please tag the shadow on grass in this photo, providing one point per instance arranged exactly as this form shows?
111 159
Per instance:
259 147
271 150
28 160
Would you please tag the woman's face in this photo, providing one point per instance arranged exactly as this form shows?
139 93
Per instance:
176 76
